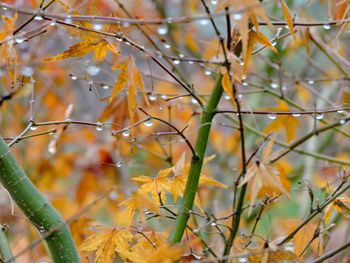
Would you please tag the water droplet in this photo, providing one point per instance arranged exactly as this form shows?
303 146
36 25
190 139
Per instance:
33 128
240 96
27 71
214 2
284 88
52 148
113 195
176 62
20 39
126 24
194 101
152 97
286 27
38 18
52 23
327 26
274 85
342 122
296 114
274 43
340 111
68 19
167 46
237 16
207 72
190 62
204 22
244 83
105 87
289 247
73 76
92 70
149 122
41 229
126 133
162 29
99 126
272 116
97 26
226 96
164 97
213 224
243 260
4 8
311 82
68 121
181 55
319 116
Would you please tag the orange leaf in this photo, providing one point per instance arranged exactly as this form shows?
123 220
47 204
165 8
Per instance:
288 18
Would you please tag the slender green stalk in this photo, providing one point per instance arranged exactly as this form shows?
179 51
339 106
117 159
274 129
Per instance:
196 163
5 250
36 207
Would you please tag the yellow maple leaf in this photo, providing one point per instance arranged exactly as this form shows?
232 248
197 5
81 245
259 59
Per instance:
140 201
287 122
263 173
130 77
176 183
341 204
105 243
93 41
301 238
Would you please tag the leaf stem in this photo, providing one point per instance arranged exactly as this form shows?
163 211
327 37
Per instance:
196 163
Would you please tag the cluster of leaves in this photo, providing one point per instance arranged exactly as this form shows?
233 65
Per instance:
81 74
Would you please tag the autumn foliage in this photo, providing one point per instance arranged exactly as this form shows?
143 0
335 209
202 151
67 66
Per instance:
173 130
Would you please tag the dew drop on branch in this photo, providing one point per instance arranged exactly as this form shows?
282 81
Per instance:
97 26
27 71
311 82
119 164
274 85
92 70
126 133
33 128
296 114
176 62
38 18
272 116
327 26
237 16
167 46
105 87
20 40
319 116
204 22
214 2
73 76
162 29
148 123
242 259
342 122
207 72
152 97
99 126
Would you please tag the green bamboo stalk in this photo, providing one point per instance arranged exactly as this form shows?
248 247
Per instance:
37 208
5 250
196 163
